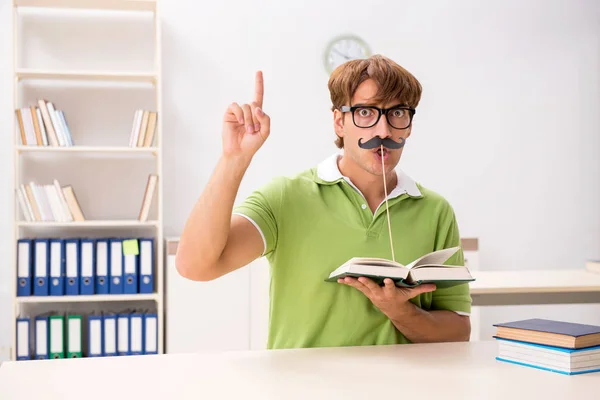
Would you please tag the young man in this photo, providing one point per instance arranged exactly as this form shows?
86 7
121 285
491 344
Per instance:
309 224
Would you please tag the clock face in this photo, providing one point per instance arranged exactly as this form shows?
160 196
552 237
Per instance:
345 48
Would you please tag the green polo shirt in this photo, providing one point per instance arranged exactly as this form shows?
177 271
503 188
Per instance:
313 222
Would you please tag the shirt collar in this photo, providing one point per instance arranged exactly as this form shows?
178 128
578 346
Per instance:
328 172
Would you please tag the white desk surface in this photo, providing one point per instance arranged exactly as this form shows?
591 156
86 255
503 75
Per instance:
418 371
535 281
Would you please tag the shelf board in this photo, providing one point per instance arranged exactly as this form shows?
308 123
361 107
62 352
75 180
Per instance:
26 73
88 298
116 5
86 224
87 149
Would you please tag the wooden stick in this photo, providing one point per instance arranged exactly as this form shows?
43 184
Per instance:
385 193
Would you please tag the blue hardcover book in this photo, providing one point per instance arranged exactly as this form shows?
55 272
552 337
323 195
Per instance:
550 332
549 358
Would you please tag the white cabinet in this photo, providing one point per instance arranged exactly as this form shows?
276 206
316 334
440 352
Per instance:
471 251
211 315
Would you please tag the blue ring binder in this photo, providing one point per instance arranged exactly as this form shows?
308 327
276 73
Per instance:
64 266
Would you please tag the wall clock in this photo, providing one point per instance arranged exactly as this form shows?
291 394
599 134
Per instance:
344 48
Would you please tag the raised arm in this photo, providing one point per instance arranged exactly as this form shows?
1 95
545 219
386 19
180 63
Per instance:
213 242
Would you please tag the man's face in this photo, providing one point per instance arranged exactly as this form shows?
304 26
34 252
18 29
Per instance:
370 159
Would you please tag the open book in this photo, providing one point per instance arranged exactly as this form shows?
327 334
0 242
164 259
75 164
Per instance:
429 268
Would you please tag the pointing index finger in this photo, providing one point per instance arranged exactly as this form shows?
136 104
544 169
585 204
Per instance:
259 89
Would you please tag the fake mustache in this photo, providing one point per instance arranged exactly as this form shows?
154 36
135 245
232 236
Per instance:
377 142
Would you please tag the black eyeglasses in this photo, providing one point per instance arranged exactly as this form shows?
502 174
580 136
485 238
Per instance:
398 117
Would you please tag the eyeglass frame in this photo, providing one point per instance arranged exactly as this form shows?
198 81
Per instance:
381 111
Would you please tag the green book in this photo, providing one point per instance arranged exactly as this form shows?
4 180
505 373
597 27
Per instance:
56 336
73 342
429 268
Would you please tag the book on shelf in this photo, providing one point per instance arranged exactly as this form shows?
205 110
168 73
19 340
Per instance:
148 197
143 129
56 203
429 268
43 125
558 346
49 202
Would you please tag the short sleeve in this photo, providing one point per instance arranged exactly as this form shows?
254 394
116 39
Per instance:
456 298
261 209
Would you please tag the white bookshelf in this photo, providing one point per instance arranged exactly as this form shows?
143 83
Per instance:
88 299
88 224
108 76
81 152
115 5
88 149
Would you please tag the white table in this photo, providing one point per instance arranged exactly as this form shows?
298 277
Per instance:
535 281
418 371
535 287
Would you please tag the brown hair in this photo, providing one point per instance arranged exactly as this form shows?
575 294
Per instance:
393 82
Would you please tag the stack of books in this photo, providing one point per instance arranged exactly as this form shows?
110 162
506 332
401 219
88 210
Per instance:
143 129
49 202
42 124
57 203
557 346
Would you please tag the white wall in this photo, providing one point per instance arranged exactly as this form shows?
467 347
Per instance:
507 129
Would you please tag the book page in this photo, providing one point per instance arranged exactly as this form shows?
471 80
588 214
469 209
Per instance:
438 257
375 261
440 273
369 270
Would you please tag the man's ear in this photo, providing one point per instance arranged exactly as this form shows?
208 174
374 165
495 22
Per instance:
338 123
